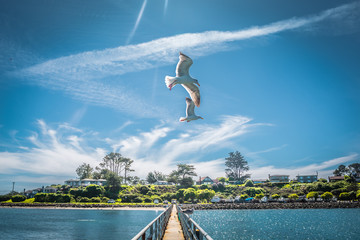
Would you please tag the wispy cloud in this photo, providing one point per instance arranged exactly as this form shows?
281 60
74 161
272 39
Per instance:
51 154
137 22
79 74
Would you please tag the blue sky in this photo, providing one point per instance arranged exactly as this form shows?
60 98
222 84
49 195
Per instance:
280 83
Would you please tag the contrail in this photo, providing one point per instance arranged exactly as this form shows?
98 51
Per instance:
137 22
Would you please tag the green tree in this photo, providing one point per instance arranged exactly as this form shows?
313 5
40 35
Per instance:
84 171
127 168
341 170
183 175
155 176
327 196
354 168
237 166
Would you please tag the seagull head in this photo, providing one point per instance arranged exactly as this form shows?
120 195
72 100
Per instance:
196 82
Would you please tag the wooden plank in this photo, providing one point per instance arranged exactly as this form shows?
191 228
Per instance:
173 230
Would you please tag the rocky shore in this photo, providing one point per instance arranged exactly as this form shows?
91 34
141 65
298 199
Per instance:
272 205
71 205
217 206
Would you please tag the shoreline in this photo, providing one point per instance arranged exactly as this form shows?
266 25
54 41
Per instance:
216 206
82 206
272 205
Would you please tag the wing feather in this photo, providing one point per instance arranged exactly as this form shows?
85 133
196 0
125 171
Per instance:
189 107
194 92
183 65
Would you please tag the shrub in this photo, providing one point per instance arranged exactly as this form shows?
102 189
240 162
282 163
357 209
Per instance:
40 197
314 195
293 196
275 196
93 190
63 198
76 192
259 196
4 198
104 199
249 183
137 200
327 196
18 198
95 199
244 196
358 196
147 200
344 196
83 199
190 193
144 190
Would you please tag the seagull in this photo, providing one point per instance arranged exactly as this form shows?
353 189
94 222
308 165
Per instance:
190 115
183 78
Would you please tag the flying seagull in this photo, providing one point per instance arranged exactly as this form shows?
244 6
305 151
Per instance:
183 78
190 115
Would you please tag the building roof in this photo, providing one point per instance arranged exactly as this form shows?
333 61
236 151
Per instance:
336 177
259 180
307 175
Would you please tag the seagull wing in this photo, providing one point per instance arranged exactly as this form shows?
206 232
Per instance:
183 65
189 107
194 92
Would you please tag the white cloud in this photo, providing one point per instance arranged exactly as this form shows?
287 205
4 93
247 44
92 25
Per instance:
55 153
79 74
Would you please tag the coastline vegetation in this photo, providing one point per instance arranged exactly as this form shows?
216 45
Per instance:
121 188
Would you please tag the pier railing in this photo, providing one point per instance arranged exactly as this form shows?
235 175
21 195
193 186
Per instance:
190 228
156 229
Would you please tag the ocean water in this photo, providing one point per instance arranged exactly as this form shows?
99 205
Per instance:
76 224
280 223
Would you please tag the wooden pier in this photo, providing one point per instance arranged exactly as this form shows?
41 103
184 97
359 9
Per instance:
173 230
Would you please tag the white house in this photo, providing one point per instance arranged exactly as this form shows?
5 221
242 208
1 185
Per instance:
85 182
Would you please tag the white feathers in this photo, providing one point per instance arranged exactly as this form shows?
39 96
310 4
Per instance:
183 77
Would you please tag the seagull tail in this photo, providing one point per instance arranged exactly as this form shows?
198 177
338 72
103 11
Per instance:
182 119
170 82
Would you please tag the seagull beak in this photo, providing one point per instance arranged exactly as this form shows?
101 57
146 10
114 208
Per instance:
198 84
201 117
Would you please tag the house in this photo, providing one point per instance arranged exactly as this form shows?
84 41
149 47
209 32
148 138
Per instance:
307 178
336 178
50 190
279 178
259 181
205 180
162 183
85 182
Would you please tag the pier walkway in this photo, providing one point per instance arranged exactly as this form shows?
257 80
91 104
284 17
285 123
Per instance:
173 230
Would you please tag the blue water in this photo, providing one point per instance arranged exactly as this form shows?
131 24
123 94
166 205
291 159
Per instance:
72 223
280 224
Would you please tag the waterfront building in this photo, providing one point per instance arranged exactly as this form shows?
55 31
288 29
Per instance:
161 183
336 178
307 178
259 181
205 180
279 178
85 182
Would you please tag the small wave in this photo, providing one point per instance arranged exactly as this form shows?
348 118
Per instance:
86 220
